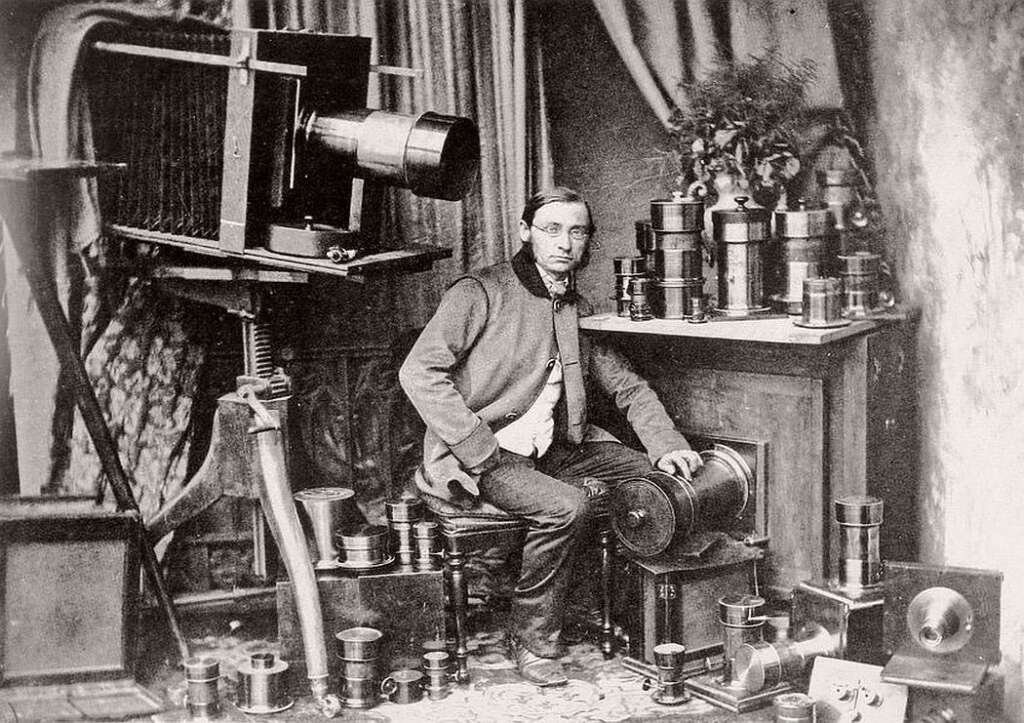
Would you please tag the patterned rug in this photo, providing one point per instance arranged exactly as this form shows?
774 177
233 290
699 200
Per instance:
598 690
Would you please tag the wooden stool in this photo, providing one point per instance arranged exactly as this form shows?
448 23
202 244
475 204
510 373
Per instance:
483 526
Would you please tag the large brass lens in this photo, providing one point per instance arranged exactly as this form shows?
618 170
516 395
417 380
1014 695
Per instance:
433 155
652 512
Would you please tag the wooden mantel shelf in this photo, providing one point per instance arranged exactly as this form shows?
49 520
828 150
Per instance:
772 330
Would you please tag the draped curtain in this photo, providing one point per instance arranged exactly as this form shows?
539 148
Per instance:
666 42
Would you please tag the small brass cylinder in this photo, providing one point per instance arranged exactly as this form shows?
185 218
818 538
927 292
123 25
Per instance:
860 560
202 675
742 618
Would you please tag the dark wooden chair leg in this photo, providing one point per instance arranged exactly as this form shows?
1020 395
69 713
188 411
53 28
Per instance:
455 560
607 629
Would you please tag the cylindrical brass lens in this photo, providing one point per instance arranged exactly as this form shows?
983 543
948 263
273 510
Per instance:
433 155
860 561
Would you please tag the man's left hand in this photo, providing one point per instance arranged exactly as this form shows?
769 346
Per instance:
683 462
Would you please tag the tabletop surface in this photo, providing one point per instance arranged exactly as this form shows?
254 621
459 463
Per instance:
767 330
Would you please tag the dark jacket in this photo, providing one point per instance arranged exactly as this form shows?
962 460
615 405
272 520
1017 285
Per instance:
483 359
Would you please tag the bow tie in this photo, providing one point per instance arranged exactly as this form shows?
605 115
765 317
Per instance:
557 288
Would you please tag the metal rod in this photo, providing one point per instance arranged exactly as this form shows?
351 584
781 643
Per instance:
397 70
191 56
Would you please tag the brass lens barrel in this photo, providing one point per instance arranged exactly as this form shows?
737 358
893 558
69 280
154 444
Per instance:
262 687
860 561
674 298
793 708
679 213
742 618
763 665
822 302
402 515
860 282
649 513
838 187
740 235
201 677
433 155
801 240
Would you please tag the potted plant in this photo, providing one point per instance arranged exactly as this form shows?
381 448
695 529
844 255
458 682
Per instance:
738 133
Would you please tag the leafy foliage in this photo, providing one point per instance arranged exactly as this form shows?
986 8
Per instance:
743 119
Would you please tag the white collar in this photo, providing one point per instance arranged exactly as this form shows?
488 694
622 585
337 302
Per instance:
554 286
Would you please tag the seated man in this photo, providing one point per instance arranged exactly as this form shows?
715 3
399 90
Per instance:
498 377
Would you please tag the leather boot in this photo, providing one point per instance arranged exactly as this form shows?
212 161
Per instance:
542 672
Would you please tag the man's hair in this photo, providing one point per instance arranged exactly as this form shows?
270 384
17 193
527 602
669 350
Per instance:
553 195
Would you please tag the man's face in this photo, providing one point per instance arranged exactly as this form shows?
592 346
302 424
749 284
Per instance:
551 233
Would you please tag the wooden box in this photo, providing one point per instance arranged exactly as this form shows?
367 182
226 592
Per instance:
674 598
69 604
407 606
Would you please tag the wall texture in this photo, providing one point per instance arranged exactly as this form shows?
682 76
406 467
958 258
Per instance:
605 140
950 86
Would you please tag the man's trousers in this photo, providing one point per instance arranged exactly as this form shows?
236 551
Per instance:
549 492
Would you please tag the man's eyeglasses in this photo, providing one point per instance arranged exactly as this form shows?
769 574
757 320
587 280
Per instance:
576 233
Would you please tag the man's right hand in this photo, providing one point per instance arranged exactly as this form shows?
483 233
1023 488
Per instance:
683 462
492 461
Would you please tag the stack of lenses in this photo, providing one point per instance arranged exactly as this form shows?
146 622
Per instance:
668 689
202 675
402 515
436 667
639 303
839 189
860 272
627 268
358 649
839 192
676 225
801 234
427 538
740 235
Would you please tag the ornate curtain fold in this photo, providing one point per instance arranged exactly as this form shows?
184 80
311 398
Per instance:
666 42
139 348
